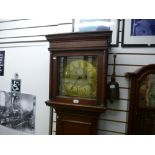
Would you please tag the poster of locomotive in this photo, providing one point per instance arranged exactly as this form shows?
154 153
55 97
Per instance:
17 111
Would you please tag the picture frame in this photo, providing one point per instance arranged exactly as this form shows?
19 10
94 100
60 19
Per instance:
85 25
2 62
136 33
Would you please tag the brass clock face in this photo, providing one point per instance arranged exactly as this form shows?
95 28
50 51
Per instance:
79 77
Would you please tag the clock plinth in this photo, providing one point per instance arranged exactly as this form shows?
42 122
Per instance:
78 69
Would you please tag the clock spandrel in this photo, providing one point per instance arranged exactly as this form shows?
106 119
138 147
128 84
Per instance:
77 76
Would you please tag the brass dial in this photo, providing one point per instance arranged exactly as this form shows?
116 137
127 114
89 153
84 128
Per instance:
79 79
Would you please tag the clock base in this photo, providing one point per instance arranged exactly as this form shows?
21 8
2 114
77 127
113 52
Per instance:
75 119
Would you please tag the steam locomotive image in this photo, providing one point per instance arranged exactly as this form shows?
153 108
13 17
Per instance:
17 111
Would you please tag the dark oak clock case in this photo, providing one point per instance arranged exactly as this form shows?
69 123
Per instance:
78 114
141 119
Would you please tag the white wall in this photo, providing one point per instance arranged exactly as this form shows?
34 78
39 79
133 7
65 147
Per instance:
27 53
32 65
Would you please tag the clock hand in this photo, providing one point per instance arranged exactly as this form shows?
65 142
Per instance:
76 82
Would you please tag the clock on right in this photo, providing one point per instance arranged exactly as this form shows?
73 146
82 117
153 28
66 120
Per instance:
141 120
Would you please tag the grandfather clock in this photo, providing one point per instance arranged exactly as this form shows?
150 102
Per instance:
141 120
78 69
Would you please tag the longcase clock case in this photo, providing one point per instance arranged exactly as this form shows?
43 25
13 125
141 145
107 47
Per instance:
77 86
141 119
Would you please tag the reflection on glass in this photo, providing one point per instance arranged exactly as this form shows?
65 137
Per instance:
95 25
77 76
147 91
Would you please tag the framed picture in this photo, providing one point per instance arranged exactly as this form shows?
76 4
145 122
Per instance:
2 57
138 33
85 25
